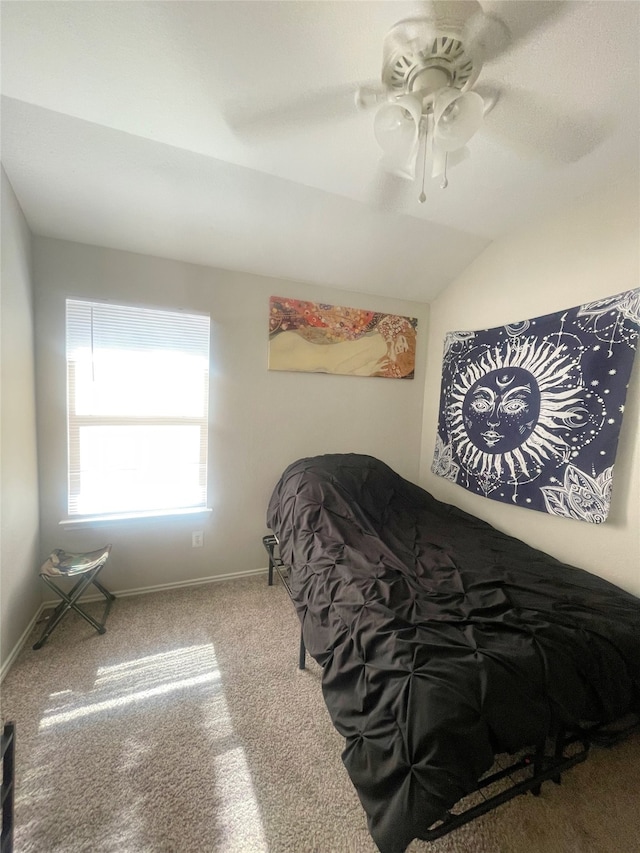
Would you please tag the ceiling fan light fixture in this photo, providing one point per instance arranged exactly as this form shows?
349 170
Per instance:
396 127
457 116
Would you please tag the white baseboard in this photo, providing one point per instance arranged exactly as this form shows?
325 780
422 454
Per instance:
6 666
123 593
196 582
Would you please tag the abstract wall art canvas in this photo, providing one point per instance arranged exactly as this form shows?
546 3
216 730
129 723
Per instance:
319 338
530 412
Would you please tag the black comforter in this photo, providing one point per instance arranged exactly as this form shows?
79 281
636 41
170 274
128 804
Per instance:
443 641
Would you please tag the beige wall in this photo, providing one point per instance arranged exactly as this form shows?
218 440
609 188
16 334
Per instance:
20 593
589 252
260 420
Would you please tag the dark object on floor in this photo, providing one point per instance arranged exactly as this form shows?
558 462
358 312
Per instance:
8 785
444 643
86 567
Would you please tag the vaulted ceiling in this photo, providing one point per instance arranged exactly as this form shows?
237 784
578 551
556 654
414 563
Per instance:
226 133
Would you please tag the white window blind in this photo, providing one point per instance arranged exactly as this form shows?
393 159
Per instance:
137 401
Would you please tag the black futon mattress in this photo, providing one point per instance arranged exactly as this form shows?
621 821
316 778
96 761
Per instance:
443 642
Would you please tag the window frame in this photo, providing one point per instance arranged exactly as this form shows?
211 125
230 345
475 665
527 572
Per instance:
75 422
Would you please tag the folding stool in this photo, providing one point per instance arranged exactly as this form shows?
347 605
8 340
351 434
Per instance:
86 567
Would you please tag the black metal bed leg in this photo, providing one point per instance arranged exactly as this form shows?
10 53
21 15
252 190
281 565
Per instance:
269 542
538 766
559 751
275 563
303 652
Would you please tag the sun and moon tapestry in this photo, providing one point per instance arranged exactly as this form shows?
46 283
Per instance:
318 338
530 412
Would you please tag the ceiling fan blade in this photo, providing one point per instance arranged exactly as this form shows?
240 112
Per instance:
337 103
540 128
485 37
489 35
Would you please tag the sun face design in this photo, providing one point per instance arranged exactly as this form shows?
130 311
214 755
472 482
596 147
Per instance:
516 408
501 409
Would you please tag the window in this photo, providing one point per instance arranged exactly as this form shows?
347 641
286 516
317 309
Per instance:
137 403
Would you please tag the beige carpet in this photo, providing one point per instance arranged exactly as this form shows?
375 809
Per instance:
187 727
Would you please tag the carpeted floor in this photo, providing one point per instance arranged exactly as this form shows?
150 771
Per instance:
188 727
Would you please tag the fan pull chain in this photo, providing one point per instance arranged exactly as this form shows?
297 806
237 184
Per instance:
445 180
422 197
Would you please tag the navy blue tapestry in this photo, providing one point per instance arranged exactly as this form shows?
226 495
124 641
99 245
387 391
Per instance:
530 413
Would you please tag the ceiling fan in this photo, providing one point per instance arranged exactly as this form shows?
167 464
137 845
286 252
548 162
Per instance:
429 102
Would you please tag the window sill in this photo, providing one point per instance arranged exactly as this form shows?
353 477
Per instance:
87 521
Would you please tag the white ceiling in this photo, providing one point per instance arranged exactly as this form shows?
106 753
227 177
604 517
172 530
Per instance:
117 130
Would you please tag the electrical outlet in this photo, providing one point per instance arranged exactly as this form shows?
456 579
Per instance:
197 539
